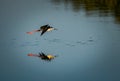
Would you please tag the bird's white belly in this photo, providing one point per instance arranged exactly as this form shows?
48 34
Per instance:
50 29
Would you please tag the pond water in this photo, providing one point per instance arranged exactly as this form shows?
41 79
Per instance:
87 41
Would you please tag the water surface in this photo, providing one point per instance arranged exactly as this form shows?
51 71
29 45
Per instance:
87 41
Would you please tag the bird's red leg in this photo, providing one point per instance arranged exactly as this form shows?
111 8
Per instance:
30 54
31 32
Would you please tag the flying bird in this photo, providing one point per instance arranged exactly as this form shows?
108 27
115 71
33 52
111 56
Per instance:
43 56
43 29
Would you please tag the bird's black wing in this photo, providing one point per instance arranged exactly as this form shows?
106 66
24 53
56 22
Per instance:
44 30
42 53
42 27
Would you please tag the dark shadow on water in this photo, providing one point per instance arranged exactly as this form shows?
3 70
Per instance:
55 40
103 8
70 43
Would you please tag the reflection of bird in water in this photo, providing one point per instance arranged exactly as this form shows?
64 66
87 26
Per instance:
43 56
43 29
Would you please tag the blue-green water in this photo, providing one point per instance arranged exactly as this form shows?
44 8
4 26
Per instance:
87 44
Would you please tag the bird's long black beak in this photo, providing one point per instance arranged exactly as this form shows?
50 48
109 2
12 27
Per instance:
55 29
56 56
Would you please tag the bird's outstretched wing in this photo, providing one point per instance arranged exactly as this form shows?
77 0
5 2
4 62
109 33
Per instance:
44 30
